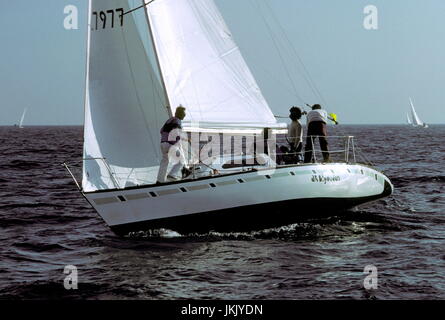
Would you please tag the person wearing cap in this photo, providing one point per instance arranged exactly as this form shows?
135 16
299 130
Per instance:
317 119
171 133
295 133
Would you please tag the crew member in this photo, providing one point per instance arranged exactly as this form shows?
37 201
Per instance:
171 133
295 133
317 119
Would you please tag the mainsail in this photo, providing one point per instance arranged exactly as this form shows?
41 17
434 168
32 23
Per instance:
203 68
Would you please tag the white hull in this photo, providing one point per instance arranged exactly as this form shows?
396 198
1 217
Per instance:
311 186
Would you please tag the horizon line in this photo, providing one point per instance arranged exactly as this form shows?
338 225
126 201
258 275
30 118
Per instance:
344 124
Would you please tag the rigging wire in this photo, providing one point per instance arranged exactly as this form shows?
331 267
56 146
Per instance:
137 8
283 85
307 76
305 73
254 3
293 52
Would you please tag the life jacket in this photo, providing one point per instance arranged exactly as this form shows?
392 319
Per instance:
170 124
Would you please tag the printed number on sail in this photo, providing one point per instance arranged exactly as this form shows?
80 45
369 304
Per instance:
109 15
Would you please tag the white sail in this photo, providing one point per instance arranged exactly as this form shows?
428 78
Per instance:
408 120
416 120
22 118
203 68
124 105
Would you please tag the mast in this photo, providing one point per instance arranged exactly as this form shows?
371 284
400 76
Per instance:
87 65
86 91
158 64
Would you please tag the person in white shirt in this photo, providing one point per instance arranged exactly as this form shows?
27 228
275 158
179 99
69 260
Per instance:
317 119
295 133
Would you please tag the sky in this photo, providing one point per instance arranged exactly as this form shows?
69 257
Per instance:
364 76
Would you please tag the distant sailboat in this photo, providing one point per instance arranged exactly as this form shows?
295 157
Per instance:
415 120
408 119
22 118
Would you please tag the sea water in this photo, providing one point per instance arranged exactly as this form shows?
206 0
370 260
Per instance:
47 226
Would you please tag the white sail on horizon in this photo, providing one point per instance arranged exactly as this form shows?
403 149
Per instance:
415 118
22 118
408 120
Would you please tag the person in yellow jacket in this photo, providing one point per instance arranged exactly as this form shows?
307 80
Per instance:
317 119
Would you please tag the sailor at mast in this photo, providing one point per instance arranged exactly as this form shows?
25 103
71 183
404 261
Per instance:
171 149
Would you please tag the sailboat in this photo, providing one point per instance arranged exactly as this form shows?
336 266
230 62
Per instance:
22 118
415 120
144 59
408 119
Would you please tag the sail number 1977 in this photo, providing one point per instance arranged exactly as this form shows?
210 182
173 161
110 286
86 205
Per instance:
107 19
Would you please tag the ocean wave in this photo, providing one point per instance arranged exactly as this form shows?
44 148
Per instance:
22 165
408 180
41 247
31 205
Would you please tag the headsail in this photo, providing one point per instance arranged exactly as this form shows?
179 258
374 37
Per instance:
125 104
416 120
203 68
22 118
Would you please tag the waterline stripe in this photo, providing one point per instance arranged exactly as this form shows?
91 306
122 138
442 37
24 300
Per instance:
226 183
199 187
167 192
105 200
137 196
